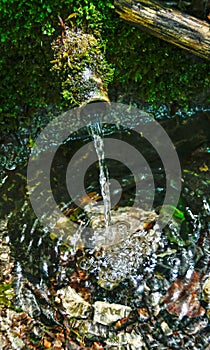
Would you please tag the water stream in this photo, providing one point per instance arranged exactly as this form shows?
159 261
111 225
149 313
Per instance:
103 177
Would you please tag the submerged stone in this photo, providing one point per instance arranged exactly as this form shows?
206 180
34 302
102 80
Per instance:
106 313
74 304
125 221
123 340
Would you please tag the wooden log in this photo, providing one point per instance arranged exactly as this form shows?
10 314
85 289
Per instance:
168 24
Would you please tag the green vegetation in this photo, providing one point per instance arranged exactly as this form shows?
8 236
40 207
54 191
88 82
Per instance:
146 67
6 295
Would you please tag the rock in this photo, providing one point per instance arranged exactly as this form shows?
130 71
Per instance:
90 329
106 313
74 304
206 291
165 328
125 221
123 340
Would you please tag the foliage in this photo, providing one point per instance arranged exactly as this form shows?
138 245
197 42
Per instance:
145 66
6 295
155 71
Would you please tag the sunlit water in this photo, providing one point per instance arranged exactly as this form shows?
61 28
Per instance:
103 177
40 259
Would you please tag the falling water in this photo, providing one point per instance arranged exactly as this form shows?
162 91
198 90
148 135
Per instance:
103 177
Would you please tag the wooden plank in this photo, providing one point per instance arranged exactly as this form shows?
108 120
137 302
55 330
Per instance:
177 28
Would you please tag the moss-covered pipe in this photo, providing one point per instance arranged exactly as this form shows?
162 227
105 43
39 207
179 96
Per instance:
83 70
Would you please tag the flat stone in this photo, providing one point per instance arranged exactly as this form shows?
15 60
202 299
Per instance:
124 340
106 313
165 328
89 329
75 305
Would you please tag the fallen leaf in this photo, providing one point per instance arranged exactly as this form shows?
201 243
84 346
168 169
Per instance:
182 297
204 167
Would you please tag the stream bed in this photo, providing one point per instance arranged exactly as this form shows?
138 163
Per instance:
150 290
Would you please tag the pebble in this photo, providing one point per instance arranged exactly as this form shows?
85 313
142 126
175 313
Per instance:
74 304
165 328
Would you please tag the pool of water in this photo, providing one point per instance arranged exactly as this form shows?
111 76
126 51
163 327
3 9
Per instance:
46 261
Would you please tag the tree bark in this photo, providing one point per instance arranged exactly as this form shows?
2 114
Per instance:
168 24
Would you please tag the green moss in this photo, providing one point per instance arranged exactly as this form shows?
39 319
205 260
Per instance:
81 66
